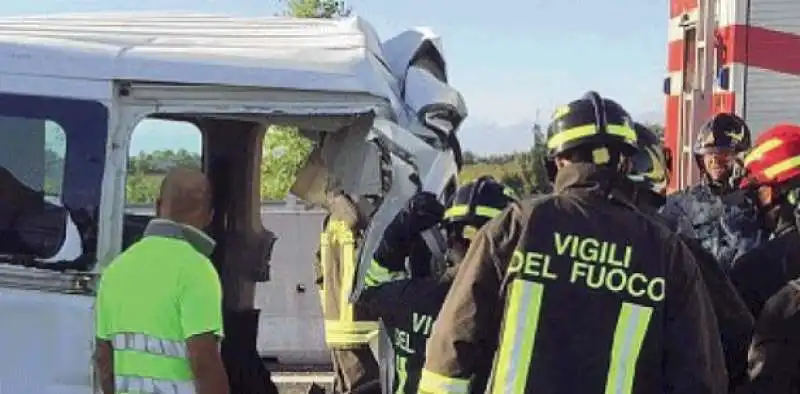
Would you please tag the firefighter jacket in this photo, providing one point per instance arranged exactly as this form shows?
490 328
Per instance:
734 320
346 325
408 309
775 349
765 270
727 231
587 295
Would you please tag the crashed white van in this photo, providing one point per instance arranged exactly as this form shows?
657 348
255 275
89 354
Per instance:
382 115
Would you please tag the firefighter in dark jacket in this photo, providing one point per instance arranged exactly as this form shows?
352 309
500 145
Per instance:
727 231
768 276
348 328
765 270
649 177
408 307
578 292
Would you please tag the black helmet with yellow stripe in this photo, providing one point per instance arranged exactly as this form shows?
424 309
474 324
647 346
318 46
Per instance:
723 132
597 126
474 204
650 167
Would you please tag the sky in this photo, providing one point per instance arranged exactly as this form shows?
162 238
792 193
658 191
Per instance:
510 62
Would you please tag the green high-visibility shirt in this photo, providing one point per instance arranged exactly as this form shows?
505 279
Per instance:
151 299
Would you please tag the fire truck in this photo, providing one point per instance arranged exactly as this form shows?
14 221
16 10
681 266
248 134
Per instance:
738 56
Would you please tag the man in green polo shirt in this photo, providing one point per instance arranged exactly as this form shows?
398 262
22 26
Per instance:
159 304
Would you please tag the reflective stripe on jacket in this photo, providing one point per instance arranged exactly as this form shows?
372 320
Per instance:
346 325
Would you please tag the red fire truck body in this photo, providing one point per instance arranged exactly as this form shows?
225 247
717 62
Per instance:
740 56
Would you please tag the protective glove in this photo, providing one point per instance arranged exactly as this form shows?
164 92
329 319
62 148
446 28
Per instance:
422 212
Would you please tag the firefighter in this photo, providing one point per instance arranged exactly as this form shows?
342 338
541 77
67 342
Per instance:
769 276
576 292
765 270
159 303
727 231
649 176
348 328
408 307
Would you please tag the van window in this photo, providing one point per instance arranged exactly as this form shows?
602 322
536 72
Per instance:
52 154
156 147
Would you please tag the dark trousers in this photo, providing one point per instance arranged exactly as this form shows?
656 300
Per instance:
355 371
246 371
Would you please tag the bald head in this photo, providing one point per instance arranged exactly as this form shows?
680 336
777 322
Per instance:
185 197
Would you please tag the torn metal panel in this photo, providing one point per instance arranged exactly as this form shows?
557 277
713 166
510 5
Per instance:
343 160
415 166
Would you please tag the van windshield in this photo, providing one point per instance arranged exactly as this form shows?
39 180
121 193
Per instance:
51 166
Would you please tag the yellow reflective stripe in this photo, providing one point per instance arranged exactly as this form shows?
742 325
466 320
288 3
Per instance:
459 210
469 232
628 338
434 383
510 193
401 368
348 273
775 169
349 332
625 132
378 274
570 135
761 149
351 326
519 337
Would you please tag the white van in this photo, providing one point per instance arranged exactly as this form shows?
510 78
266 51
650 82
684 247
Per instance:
381 115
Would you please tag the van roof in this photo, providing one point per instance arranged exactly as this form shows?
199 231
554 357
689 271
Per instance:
276 52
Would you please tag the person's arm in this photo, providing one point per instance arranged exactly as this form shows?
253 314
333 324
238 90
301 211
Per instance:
465 331
104 361
693 359
675 214
103 351
388 300
750 277
201 320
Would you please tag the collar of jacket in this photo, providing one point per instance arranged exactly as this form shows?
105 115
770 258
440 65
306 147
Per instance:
717 188
201 242
785 225
585 179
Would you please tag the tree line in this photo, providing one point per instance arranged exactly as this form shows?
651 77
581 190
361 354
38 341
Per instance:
285 151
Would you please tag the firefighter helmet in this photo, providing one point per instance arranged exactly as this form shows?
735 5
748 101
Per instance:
649 166
775 159
724 131
591 121
474 204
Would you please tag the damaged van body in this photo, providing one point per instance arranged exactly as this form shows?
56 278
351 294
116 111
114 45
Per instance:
382 116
